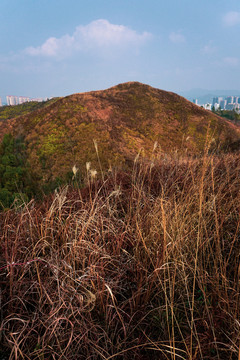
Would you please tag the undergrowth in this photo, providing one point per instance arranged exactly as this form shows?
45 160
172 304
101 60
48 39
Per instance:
139 265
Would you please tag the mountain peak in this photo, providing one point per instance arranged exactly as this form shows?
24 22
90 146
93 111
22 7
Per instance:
124 119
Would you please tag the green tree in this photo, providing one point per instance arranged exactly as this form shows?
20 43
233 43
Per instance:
15 176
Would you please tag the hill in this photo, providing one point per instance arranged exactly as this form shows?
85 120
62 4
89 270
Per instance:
123 120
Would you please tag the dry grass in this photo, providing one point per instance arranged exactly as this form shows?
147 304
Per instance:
138 266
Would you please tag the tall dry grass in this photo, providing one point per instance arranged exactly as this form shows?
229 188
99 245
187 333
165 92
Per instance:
142 265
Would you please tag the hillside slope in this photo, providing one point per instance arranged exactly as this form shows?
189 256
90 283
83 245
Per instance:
9 112
123 120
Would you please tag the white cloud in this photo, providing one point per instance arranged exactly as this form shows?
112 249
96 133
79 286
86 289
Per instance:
208 49
177 37
52 47
231 61
99 34
231 18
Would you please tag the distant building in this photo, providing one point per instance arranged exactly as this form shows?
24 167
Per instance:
217 100
208 106
0 102
216 105
230 106
223 104
230 99
11 100
23 99
16 100
37 99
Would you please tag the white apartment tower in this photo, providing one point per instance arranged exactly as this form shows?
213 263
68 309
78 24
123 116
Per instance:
15 100
11 100
23 99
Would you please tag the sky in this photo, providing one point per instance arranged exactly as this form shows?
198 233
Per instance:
60 47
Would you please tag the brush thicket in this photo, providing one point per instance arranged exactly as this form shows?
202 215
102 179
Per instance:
137 265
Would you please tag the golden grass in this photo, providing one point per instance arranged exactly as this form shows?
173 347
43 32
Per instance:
136 265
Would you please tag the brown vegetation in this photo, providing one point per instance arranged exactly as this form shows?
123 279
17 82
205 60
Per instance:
140 265
123 119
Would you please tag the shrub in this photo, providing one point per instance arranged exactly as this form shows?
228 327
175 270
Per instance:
139 265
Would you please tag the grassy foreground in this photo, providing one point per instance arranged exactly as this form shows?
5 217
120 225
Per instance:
141 265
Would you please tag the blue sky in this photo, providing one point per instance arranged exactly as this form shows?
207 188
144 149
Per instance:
59 47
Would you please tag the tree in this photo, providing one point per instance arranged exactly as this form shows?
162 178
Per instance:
15 177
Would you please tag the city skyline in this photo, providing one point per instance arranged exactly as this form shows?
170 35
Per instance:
62 47
221 102
18 100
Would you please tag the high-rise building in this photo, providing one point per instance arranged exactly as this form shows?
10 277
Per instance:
227 103
230 99
37 99
11 100
208 106
23 99
0 102
16 100
230 106
223 104
216 105
217 100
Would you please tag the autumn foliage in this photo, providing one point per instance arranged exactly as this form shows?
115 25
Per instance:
136 265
